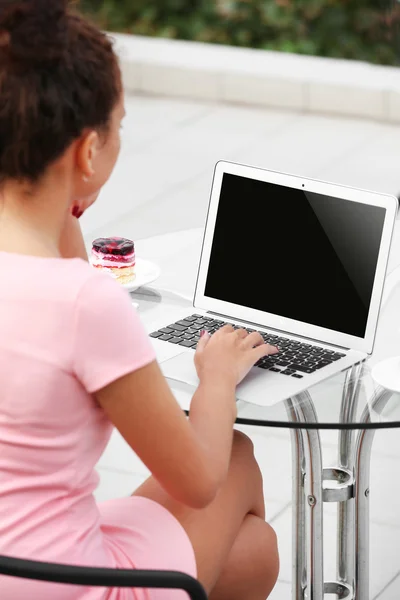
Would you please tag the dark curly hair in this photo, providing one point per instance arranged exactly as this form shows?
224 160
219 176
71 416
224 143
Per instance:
58 76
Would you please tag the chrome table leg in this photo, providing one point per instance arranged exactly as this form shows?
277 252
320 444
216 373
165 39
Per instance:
312 499
299 579
362 477
345 511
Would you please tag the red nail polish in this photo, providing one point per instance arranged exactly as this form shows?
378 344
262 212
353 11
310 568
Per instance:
202 332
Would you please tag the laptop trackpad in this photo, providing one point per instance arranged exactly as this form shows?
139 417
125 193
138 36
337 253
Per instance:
252 389
181 368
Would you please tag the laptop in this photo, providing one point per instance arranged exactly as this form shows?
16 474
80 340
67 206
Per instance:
301 261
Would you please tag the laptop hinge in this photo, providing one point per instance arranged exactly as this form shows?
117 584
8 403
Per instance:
281 331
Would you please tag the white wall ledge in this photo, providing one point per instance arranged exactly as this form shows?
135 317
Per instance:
257 77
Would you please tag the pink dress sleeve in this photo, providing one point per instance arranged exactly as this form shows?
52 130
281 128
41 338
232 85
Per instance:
110 340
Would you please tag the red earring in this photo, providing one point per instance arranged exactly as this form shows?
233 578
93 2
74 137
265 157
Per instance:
77 212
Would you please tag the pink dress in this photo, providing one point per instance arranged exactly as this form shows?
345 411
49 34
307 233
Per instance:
66 332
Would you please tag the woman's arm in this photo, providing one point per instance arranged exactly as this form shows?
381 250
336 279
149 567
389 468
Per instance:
189 458
71 241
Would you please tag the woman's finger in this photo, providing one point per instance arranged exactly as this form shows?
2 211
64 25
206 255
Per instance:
242 333
253 339
203 341
263 350
226 329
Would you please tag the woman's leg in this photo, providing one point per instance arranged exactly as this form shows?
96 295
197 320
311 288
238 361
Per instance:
236 551
243 576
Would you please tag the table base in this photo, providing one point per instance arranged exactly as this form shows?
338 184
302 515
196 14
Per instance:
312 486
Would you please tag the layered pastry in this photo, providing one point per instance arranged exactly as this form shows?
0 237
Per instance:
115 256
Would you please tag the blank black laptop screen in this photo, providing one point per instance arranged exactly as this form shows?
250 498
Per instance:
295 254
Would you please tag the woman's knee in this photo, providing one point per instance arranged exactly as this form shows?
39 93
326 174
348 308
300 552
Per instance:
268 560
253 565
247 474
242 445
241 437
273 550
243 457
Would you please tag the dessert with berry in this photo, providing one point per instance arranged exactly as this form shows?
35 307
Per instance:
115 256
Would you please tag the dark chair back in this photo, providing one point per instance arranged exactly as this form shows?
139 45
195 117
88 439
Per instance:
98 577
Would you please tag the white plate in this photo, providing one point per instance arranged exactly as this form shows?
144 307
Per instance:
146 273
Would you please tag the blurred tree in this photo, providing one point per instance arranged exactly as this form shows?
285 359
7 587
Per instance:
355 29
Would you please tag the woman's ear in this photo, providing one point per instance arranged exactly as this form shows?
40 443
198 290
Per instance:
85 155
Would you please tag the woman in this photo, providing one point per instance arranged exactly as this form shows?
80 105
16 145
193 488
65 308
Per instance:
75 360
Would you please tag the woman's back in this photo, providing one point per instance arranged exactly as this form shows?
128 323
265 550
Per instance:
51 431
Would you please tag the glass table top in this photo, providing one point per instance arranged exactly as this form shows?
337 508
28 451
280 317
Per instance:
349 400
352 399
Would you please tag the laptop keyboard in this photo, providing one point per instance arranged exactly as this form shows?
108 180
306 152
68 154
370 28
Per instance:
294 359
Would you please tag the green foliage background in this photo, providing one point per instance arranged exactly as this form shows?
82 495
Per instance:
356 29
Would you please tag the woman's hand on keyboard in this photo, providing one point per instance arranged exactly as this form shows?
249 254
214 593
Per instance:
230 353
